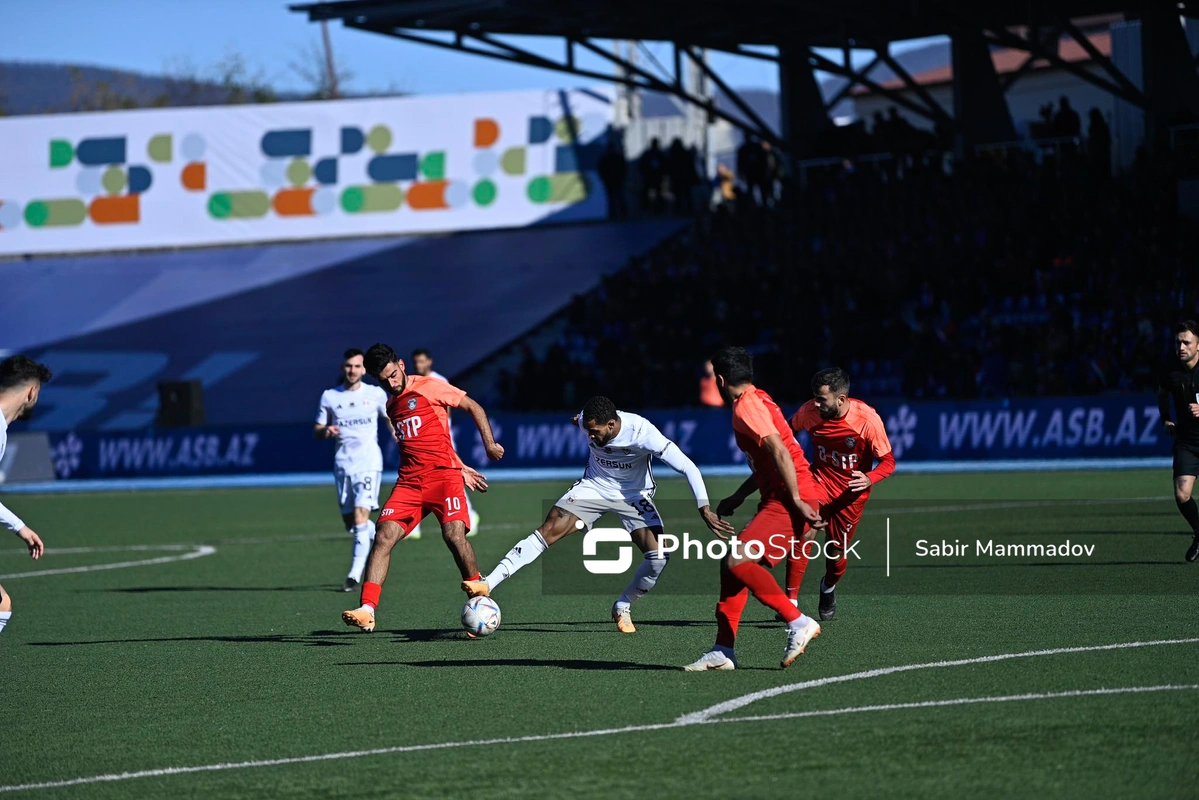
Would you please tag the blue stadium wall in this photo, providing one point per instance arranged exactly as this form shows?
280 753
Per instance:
990 432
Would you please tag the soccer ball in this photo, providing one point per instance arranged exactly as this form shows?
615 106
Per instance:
480 616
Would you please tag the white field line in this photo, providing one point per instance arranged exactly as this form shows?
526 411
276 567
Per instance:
382 751
745 700
195 551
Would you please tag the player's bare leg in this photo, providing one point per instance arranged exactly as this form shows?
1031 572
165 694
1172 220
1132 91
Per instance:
454 535
558 523
644 579
5 608
1184 487
738 574
387 536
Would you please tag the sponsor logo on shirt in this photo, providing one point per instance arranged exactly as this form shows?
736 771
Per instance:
604 462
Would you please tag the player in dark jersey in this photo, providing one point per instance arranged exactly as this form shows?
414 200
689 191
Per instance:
430 478
1180 383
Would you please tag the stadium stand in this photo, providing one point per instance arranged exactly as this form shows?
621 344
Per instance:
1010 276
276 319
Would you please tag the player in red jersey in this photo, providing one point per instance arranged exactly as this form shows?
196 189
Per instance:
430 478
847 435
782 476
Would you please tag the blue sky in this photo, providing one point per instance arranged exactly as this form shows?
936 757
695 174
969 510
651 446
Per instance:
154 36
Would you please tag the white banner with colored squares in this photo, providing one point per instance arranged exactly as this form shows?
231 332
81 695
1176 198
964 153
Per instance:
124 180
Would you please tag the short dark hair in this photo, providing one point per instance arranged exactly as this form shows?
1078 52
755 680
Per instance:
734 364
835 378
420 351
19 370
378 356
599 409
348 354
1187 325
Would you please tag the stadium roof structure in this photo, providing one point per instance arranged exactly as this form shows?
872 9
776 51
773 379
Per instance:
794 29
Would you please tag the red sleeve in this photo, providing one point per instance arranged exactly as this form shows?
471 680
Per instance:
875 434
751 417
885 468
806 417
439 392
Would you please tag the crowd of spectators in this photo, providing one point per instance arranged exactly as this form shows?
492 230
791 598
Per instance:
1010 275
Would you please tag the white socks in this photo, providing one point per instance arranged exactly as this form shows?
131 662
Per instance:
826 589
5 616
524 553
364 535
644 579
800 621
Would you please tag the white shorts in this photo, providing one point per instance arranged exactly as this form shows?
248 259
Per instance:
357 490
589 502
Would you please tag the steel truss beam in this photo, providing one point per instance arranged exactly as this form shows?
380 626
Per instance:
1079 70
632 74
1101 59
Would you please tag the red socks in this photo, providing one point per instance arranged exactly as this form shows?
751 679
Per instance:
733 595
765 588
370 594
833 570
796 567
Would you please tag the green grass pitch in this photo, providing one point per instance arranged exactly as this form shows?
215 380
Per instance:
238 655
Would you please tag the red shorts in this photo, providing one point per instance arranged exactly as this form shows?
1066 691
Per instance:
844 515
775 525
440 491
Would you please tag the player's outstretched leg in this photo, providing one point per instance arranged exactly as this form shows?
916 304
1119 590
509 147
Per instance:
558 523
387 535
5 608
767 523
644 579
454 535
733 594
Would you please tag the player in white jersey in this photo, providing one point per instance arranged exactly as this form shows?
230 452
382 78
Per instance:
350 413
619 479
422 364
21 382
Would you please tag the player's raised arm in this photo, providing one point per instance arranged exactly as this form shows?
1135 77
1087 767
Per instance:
495 450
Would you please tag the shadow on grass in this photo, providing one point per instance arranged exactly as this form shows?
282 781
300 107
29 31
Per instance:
157 589
315 639
556 663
